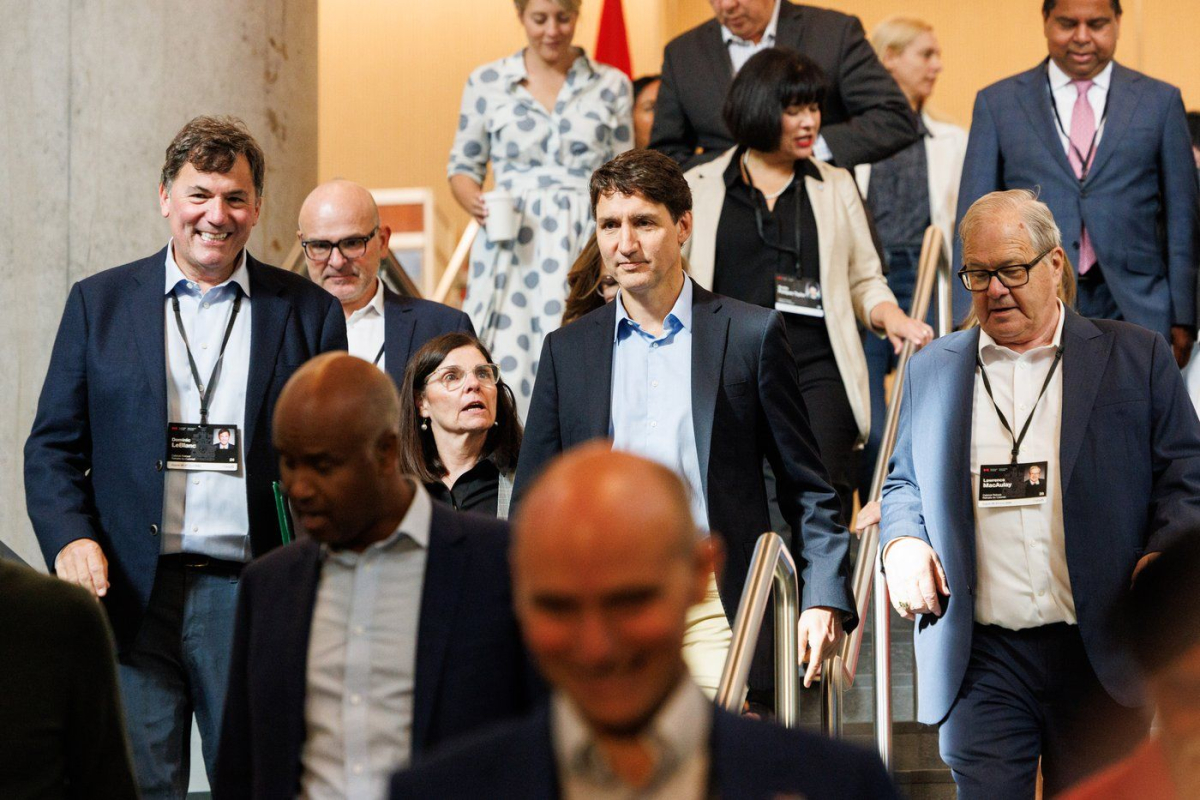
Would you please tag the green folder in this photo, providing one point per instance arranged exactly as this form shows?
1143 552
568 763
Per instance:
285 521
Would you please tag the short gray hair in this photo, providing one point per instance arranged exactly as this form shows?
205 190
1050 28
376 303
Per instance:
1035 215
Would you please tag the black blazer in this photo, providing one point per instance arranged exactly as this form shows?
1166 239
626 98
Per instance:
94 459
471 667
408 323
747 760
865 117
746 406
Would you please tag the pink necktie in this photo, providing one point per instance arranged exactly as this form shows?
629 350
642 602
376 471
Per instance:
1083 130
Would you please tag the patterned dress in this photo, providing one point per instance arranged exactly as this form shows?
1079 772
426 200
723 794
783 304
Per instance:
516 289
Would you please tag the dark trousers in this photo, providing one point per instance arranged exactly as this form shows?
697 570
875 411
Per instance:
1027 694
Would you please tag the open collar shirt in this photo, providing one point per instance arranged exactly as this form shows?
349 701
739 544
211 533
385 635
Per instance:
361 669
1021 558
1065 96
365 329
205 512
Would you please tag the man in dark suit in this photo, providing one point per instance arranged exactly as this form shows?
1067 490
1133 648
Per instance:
702 383
1017 656
120 507
387 630
344 243
1108 150
865 117
602 588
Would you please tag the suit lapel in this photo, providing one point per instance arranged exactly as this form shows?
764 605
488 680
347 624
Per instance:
710 330
268 320
295 619
444 567
399 324
1085 353
719 66
956 380
1036 101
149 317
1119 108
825 213
599 348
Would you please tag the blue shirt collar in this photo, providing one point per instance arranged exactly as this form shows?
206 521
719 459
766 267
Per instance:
175 276
678 318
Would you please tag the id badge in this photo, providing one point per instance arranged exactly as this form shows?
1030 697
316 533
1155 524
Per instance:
1013 484
202 447
794 295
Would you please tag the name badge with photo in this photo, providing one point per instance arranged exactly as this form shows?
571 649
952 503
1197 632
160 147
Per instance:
795 295
202 447
1013 484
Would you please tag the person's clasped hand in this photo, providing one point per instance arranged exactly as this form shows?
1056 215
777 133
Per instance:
82 562
915 578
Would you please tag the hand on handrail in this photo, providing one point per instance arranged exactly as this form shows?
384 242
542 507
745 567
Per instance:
915 577
819 636
868 515
899 327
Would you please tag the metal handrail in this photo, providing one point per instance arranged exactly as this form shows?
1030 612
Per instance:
771 567
868 574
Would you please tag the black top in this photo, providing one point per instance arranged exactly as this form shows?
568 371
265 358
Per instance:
745 266
475 490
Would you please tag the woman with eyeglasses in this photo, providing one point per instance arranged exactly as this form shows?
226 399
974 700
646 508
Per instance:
778 228
459 431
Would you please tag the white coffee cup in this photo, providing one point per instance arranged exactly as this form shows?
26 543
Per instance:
501 222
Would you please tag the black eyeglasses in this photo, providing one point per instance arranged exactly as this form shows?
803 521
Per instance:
351 246
1011 276
451 378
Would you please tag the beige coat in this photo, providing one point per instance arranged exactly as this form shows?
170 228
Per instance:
852 281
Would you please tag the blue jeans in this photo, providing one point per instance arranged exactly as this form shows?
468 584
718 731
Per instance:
179 665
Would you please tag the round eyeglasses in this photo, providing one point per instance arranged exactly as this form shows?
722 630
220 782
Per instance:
452 378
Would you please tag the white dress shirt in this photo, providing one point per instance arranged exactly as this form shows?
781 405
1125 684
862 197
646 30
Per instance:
362 652
1021 558
652 395
205 511
365 329
677 738
1065 97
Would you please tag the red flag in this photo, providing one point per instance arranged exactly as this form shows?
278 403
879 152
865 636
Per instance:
612 45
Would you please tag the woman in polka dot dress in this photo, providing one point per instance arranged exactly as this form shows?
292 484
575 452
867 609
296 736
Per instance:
545 118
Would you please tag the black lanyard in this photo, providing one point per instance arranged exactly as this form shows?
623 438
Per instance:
758 217
205 391
379 355
1085 163
1003 420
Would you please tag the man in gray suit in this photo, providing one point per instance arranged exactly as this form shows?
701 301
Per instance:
866 117
1109 151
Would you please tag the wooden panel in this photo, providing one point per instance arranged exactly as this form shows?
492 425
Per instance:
403 219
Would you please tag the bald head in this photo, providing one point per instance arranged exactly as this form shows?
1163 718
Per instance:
343 211
337 429
606 562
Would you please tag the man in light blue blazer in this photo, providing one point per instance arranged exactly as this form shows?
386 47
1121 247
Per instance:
1108 150
1013 590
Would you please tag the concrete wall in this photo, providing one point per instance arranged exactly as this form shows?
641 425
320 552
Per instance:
92 93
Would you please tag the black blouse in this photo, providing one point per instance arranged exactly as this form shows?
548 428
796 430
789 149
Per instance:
745 266
477 489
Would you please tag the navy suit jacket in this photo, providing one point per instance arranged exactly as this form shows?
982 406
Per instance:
746 406
409 322
1139 201
865 116
471 667
94 460
748 760
1129 462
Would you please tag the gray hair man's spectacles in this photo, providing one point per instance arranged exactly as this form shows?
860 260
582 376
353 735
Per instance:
1011 276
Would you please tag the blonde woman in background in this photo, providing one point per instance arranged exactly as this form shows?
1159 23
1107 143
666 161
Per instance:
545 118
906 193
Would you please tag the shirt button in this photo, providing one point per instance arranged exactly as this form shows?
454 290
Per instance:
358 768
654 384
1024 407
195 481
355 699
195 528
204 345
653 424
358 629
206 305
1042 593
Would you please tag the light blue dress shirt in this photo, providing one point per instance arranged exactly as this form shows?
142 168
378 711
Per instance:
205 512
652 395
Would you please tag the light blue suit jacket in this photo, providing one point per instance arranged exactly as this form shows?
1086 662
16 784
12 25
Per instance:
1139 201
1130 468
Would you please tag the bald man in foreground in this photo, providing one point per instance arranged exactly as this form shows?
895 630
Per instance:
344 243
602 589
385 630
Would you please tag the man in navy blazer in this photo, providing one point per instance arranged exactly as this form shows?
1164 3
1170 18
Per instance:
385 631
602 588
344 242
742 403
137 349
1129 215
1014 597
